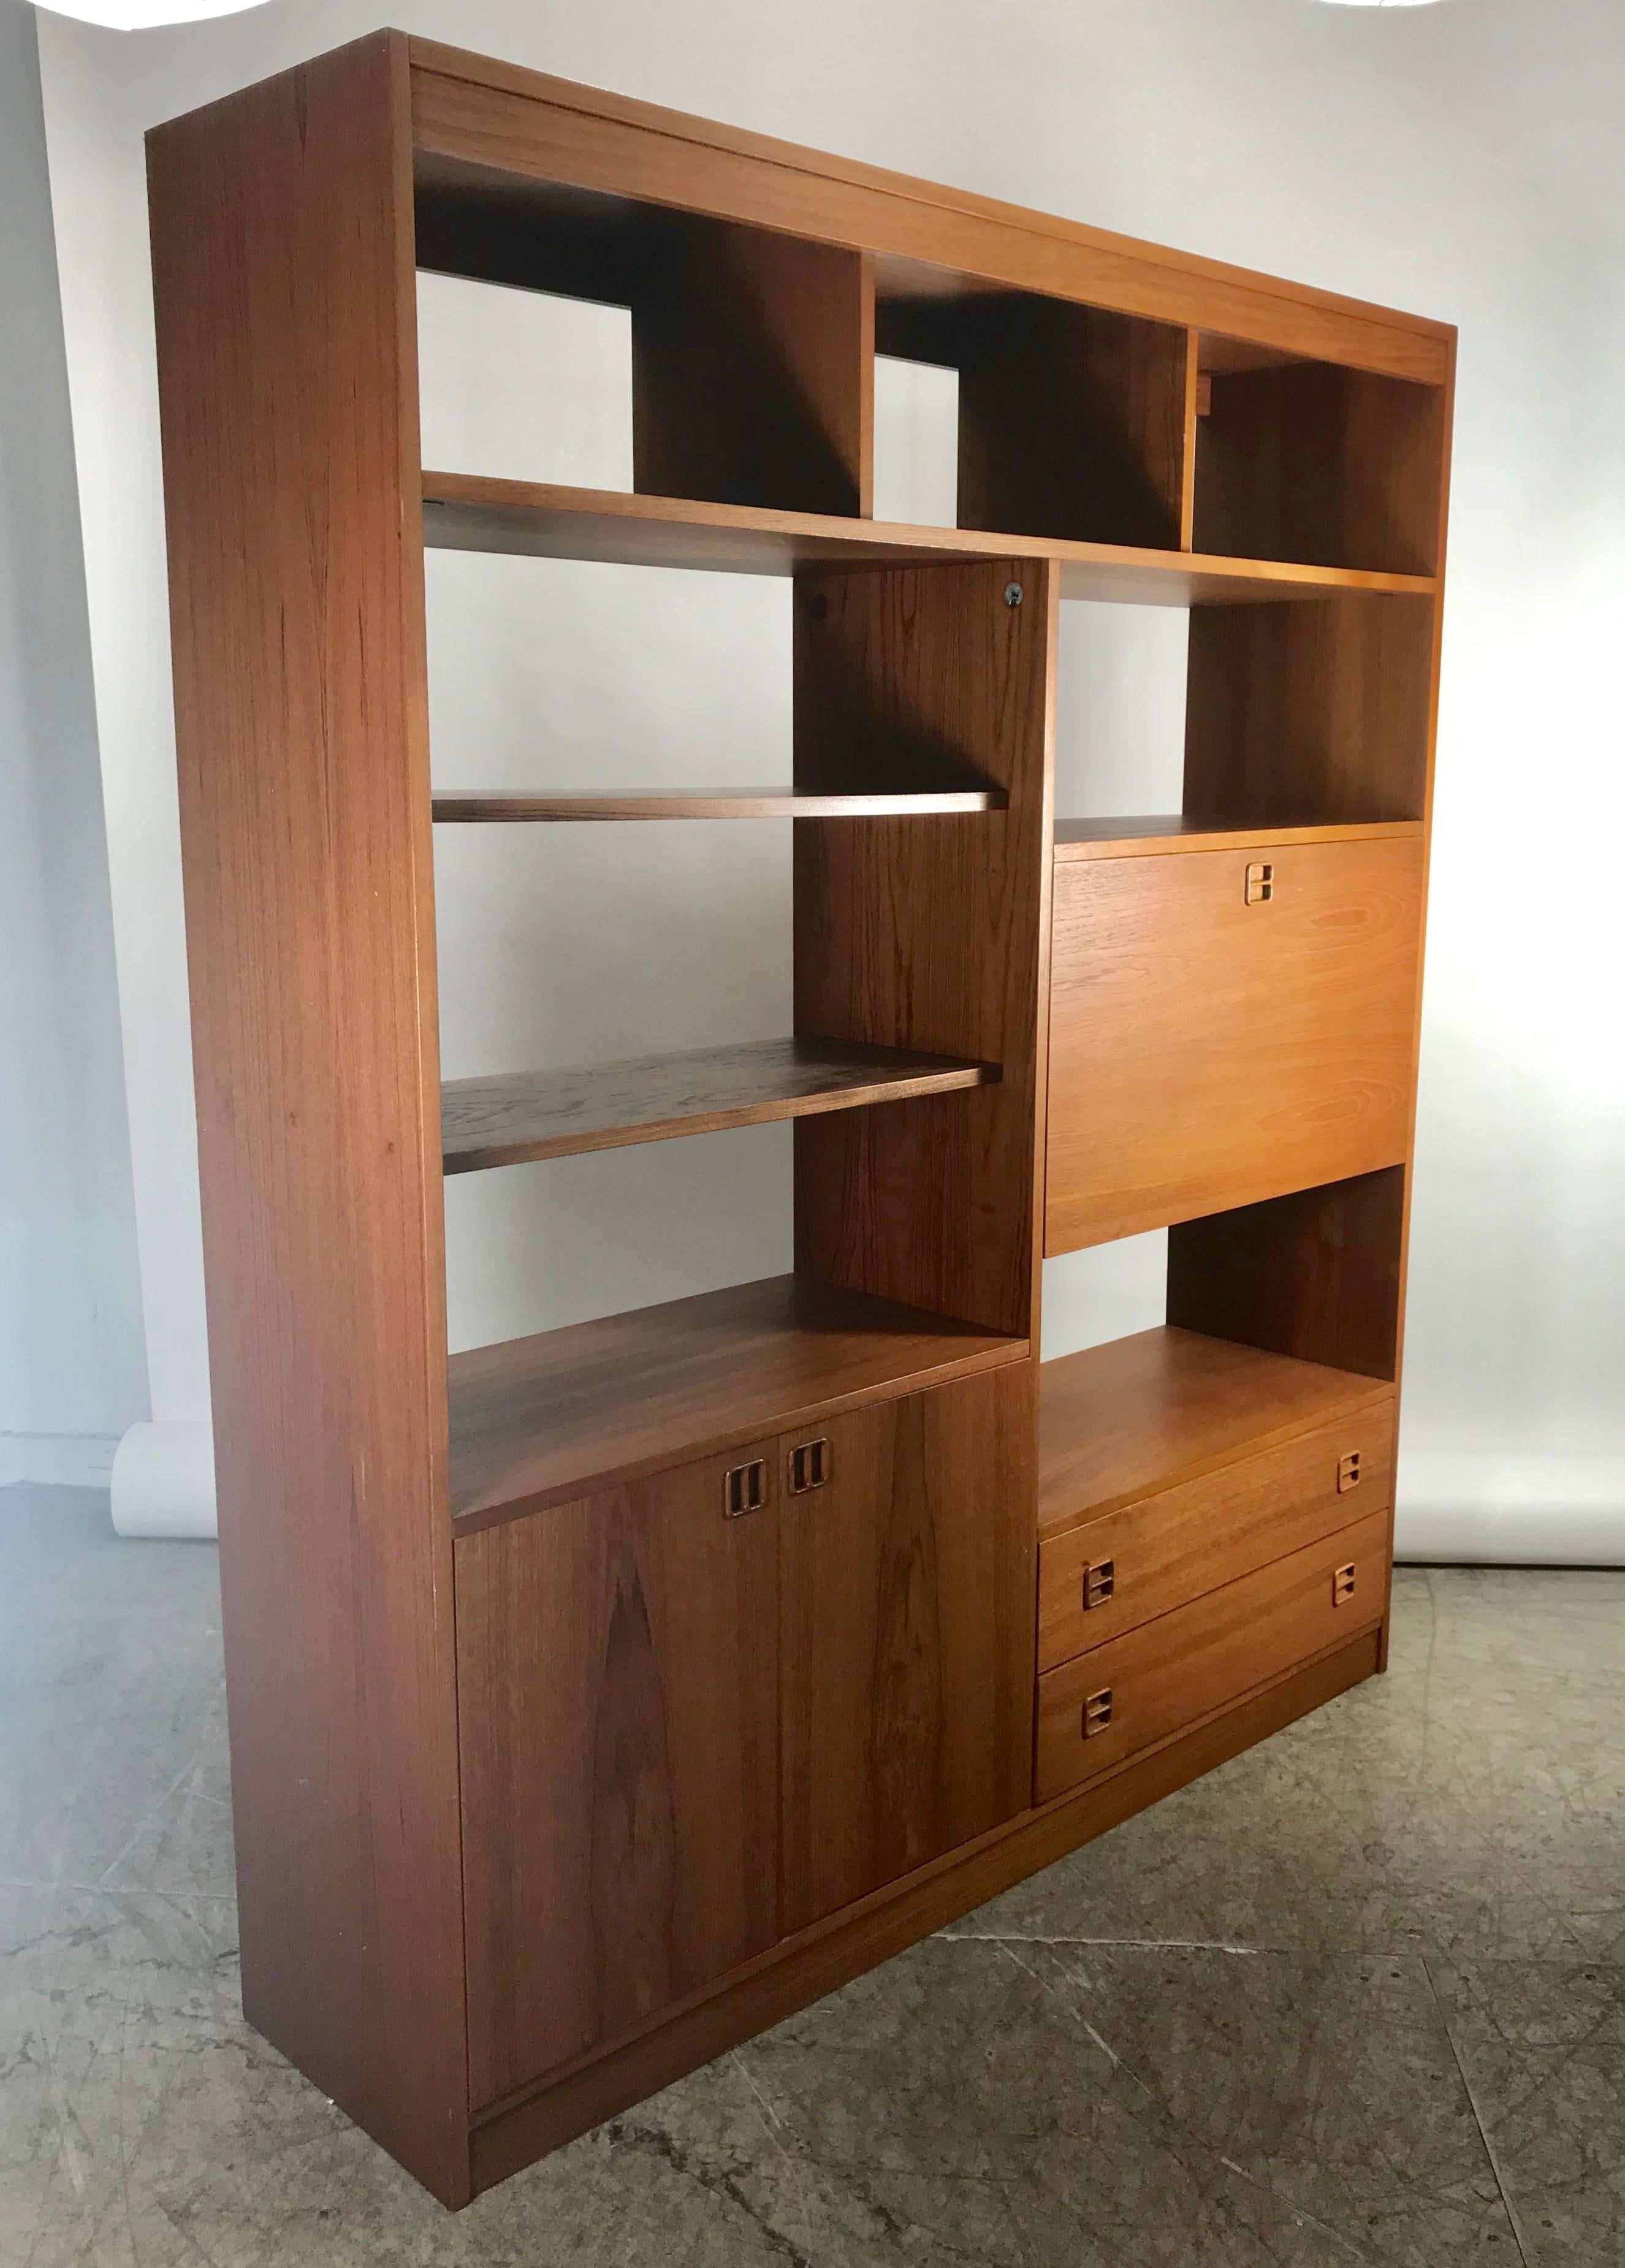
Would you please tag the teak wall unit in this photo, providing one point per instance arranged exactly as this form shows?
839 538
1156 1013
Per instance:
597 1698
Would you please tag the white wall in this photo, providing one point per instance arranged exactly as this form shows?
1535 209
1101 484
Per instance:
1463 159
72 1367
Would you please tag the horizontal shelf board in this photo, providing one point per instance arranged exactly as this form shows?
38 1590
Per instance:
515 1117
1163 832
1121 1421
465 511
493 804
541 1420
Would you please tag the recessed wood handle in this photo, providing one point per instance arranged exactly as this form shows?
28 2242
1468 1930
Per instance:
745 1488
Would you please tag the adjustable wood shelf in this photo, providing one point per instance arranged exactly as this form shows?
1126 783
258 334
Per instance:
599 1699
454 805
515 1116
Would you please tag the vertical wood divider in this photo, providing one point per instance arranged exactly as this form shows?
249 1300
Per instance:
283 273
1187 471
928 932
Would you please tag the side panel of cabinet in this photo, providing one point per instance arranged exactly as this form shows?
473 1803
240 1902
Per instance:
618 1696
908 1639
1207 1052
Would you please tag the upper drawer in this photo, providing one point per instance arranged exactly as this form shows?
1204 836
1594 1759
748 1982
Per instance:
1119 1699
1213 1042
1105 1577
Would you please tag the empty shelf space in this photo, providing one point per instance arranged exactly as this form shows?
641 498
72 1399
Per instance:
469 513
1127 1420
541 1420
518 1115
452 806
1169 831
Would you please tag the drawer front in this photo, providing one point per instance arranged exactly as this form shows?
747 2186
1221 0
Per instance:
1118 1699
1111 1574
1207 1052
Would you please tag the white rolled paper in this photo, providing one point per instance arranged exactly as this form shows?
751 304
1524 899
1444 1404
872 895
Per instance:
164 1481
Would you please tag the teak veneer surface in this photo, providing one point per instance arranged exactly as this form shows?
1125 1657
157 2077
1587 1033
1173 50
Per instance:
617 1687
470 511
534 1420
1148 837
454 805
1140 1414
511 1116
282 279
1198 1657
909 935
906 1640
1208 1053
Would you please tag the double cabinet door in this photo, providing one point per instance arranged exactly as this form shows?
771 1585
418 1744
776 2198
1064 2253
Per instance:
702 1710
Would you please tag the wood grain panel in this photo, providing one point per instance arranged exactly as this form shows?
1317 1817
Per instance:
1206 1053
1206 1655
508 1117
1314 1275
540 131
1071 422
1138 1414
906 1644
1306 461
282 274
1166 1549
855 1938
468 511
1320 712
618 1703
537 1419
753 371
1154 836
927 934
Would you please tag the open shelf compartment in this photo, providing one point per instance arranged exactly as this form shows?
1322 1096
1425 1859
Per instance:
1140 1415
751 370
540 1420
1315 461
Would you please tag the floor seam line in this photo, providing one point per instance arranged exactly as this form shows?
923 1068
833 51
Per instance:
1483 2133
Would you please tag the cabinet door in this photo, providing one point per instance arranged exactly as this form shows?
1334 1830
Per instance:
1227 1025
618 1703
907 1637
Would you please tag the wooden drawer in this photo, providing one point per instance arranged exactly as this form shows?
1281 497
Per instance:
1207 1052
1111 1574
1120 1697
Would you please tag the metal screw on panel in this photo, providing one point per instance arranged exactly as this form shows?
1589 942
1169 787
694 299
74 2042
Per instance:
1012 594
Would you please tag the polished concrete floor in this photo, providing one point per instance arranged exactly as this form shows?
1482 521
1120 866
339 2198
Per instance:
1360 1996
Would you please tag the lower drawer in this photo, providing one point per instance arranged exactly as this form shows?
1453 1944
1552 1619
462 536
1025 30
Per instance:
1135 1690
1100 1580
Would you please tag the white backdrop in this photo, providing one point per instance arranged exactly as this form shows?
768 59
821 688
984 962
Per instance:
1464 160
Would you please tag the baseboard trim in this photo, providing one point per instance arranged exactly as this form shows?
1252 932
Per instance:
1510 1511
803 1968
57 1460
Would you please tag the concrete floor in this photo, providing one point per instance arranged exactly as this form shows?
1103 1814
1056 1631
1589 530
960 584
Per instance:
1360 1996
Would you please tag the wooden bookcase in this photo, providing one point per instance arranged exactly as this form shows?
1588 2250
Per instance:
598 1697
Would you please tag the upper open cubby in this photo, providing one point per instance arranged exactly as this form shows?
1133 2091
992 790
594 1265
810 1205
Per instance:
750 347
1071 418
1315 462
